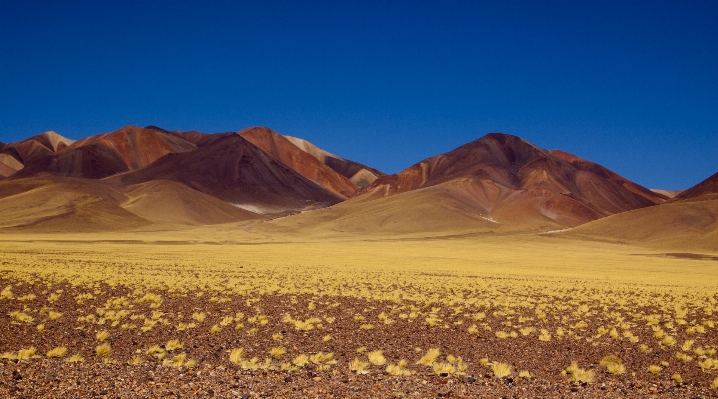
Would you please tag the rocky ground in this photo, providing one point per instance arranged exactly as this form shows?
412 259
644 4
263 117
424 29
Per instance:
38 317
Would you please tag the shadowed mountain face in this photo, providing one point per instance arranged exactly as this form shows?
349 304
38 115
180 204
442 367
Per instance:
300 161
508 178
236 171
107 154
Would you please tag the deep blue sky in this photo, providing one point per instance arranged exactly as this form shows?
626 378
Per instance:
632 85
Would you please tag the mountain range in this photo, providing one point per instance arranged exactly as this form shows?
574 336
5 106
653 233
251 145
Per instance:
154 178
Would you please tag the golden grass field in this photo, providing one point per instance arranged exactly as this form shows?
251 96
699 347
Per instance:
652 315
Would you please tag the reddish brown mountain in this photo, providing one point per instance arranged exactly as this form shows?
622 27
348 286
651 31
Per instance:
15 156
707 189
300 161
107 154
505 178
360 175
236 171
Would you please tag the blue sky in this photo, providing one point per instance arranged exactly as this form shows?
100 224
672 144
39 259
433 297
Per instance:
632 85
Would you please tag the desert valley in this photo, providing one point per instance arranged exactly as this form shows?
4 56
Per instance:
152 263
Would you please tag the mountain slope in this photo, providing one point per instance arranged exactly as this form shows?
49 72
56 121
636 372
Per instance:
687 222
172 202
360 175
103 155
57 204
234 170
707 189
300 161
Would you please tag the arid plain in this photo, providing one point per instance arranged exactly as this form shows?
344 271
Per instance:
495 270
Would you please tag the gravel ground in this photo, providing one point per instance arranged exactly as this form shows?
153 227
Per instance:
336 330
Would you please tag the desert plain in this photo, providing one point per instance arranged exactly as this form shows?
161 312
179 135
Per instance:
144 263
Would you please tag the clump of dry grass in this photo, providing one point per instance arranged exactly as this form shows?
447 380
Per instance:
60 351
501 370
76 358
102 335
376 358
578 374
430 357
173 344
236 355
613 364
400 368
277 351
358 366
103 350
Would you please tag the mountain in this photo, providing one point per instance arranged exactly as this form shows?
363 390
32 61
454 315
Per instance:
360 175
707 189
103 155
496 184
505 178
300 161
235 171
15 156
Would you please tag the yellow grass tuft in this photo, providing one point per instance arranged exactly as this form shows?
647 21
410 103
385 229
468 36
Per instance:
376 358
236 355
102 335
24 354
103 350
654 369
525 374
613 365
173 345
277 351
578 374
76 358
677 378
399 368
358 366
430 357
301 360
135 361
60 351
501 370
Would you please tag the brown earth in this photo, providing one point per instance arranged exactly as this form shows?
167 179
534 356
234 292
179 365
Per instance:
215 375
